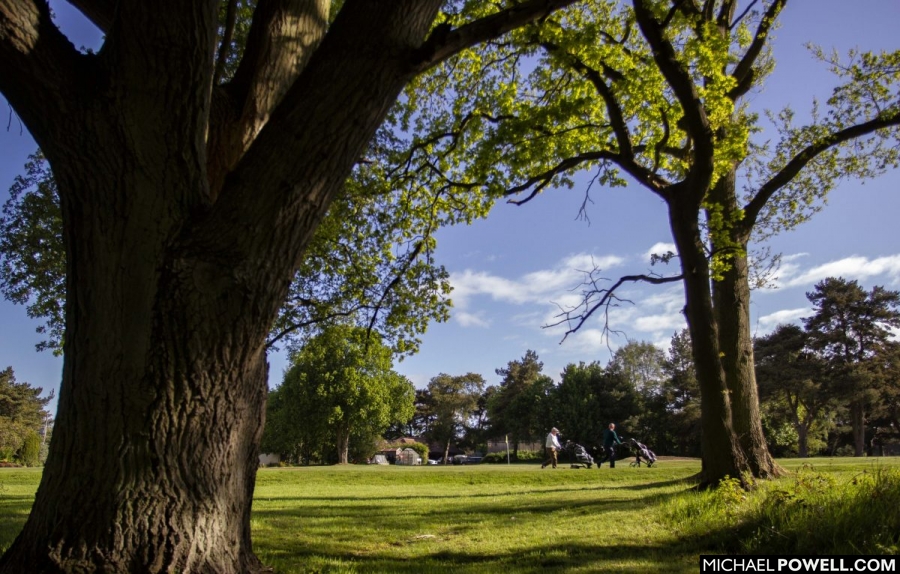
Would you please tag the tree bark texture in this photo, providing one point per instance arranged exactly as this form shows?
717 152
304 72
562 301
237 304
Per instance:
343 443
731 297
802 440
858 426
721 453
175 272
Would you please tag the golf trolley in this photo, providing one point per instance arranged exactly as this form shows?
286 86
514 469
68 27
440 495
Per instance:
641 454
579 454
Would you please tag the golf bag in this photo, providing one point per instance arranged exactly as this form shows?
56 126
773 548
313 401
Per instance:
579 455
642 454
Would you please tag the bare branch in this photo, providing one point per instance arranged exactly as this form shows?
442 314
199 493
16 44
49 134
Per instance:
540 181
445 43
608 297
294 327
809 153
394 282
743 15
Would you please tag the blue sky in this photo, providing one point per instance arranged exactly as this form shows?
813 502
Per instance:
510 270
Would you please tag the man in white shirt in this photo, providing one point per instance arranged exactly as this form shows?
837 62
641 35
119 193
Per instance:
551 447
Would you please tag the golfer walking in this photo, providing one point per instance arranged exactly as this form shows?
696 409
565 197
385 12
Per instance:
551 447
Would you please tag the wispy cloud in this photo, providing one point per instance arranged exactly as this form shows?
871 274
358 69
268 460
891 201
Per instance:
539 286
772 320
657 323
856 267
471 320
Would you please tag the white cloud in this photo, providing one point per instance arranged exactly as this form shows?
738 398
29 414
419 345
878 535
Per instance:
772 320
471 320
539 286
469 284
856 267
660 249
656 323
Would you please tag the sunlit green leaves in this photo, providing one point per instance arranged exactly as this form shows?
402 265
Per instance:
32 258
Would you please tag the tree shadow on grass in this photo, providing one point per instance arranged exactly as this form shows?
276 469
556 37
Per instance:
391 535
558 557
14 512
689 484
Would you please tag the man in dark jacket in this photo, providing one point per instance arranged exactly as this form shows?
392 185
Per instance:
610 440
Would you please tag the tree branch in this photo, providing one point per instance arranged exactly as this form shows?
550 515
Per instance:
40 70
744 69
809 153
394 282
282 186
679 79
616 116
743 15
445 43
225 45
282 38
608 296
542 180
100 12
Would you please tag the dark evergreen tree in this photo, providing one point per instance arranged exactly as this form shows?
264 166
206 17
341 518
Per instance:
851 328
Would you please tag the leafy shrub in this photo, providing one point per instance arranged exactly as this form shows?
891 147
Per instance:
524 456
31 450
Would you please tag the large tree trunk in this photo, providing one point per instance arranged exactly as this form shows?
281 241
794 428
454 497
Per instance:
173 286
343 444
858 426
720 451
802 439
161 407
731 295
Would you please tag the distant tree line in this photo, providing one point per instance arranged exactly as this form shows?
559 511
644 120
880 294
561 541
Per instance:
831 387
24 422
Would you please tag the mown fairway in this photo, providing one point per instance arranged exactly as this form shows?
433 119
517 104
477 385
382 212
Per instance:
486 518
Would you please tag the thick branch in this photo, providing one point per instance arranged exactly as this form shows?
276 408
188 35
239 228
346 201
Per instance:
282 38
542 180
100 12
809 153
744 69
272 201
444 43
39 68
679 79
616 116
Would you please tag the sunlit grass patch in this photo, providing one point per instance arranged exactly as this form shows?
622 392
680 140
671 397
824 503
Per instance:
518 518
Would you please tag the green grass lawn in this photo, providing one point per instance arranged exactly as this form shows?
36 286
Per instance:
496 518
